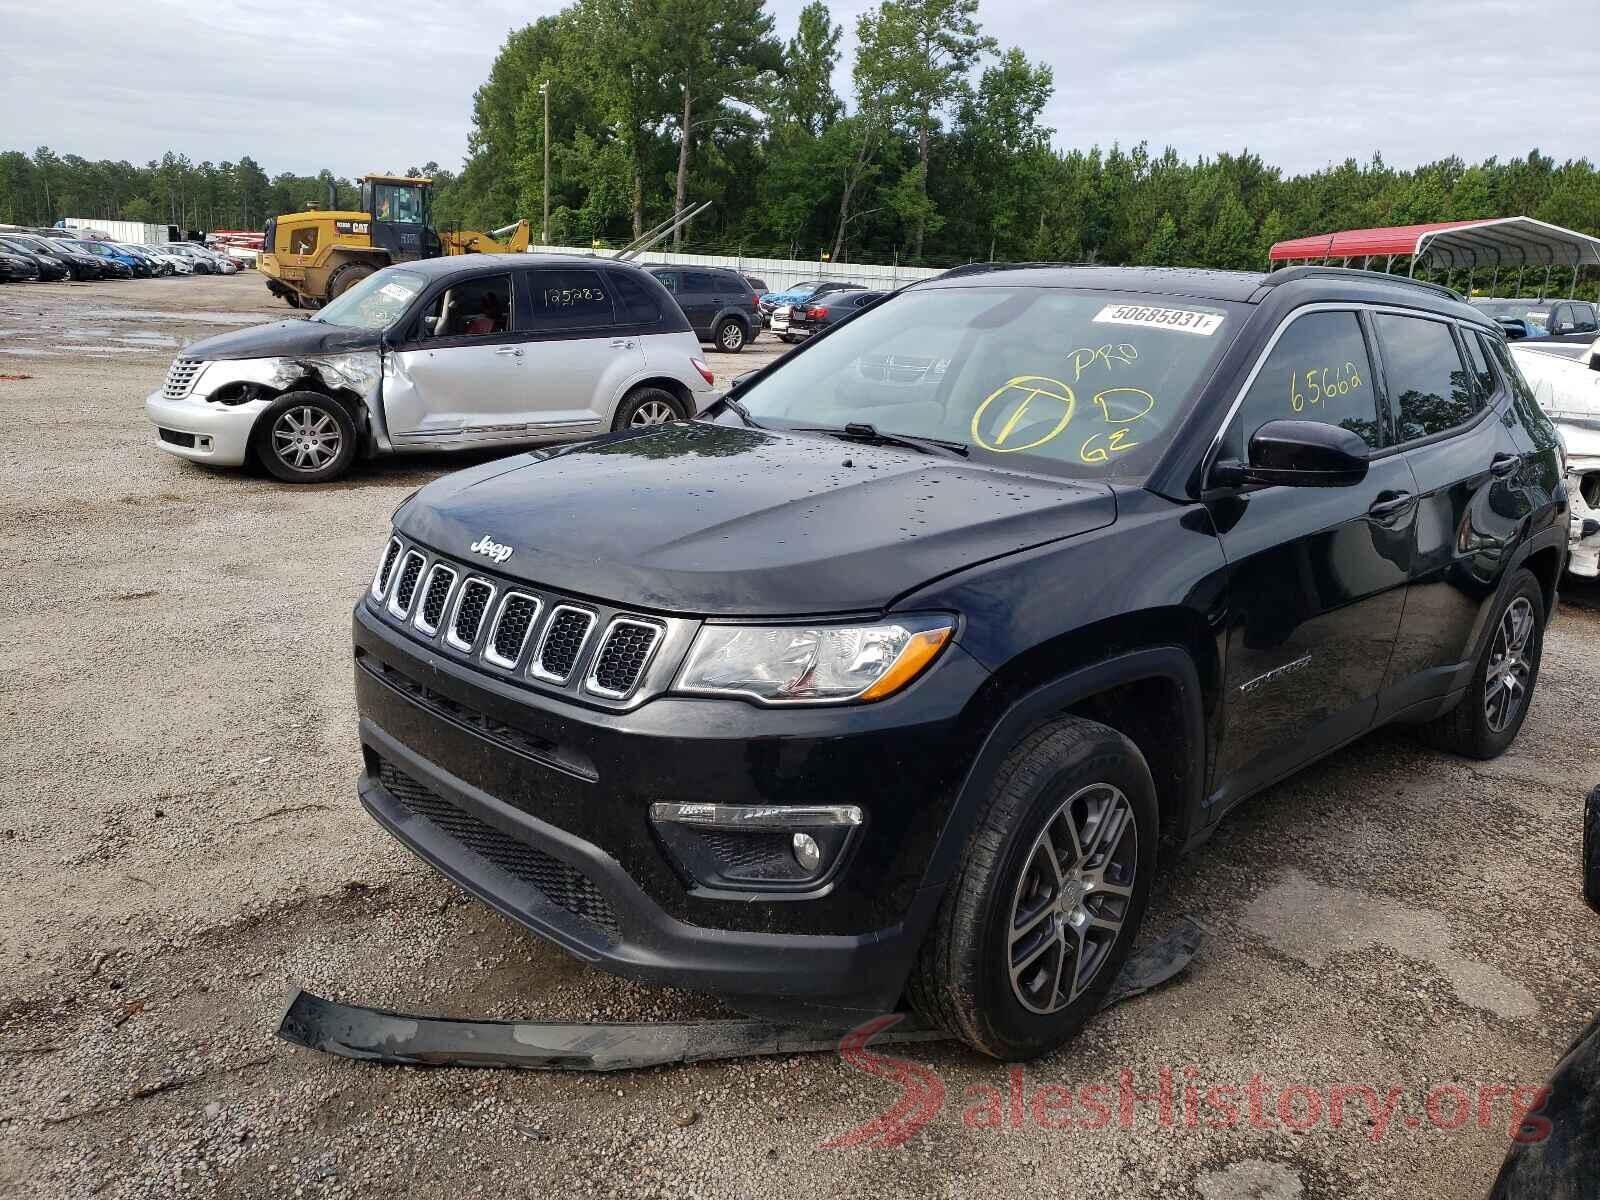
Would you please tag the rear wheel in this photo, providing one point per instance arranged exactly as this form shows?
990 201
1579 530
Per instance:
1490 715
731 336
1034 929
306 438
647 406
788 337
346 277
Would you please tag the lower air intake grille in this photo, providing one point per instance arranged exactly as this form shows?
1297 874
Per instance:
470 610
566 887
563 643
622 657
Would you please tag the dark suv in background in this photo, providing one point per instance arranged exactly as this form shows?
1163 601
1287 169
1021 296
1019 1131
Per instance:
720 304
901 672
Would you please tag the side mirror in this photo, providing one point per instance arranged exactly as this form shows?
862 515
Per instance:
1298 454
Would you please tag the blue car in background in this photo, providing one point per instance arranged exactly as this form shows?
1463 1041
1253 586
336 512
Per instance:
799 294
118 262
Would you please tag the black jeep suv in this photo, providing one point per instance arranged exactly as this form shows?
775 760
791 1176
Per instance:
892 676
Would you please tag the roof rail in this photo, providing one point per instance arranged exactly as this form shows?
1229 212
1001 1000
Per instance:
980 268
1291 274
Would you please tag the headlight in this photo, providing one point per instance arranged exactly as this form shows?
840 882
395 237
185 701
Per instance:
799 664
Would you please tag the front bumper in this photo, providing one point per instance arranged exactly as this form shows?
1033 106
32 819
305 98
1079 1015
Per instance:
538 805
197 429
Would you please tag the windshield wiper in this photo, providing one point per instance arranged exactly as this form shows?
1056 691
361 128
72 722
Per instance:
744 413
861 431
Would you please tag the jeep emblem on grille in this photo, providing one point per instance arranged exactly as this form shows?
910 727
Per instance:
490 548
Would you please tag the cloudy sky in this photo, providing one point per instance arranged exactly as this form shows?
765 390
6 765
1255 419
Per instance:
299 86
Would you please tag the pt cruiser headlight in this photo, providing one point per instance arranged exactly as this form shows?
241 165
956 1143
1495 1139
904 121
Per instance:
813 664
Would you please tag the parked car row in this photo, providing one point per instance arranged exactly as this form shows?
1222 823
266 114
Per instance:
52 255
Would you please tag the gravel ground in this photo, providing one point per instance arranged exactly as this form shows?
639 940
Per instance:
180 843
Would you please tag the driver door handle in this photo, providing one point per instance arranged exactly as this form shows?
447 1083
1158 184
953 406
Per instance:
1396 502
1503 464
512 351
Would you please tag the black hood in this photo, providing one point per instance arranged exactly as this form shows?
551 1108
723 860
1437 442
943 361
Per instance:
718 520
284 339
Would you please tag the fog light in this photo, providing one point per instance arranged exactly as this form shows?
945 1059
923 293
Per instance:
806 851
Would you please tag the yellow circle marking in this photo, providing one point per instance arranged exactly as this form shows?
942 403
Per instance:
1031 387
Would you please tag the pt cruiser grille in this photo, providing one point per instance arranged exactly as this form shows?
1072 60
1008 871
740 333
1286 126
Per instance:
543 639
180 377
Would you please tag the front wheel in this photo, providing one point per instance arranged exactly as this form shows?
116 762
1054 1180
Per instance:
731 337
306 438
1056 874
646 406
1489 716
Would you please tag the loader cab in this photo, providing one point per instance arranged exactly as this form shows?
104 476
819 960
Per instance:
402 216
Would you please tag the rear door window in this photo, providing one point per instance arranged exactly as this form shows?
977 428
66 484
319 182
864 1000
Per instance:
1429 388
1478 360
700 282
569 299
1583 318
1318 371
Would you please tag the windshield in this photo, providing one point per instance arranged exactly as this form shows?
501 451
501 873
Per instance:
374 303
1086 383
1531 311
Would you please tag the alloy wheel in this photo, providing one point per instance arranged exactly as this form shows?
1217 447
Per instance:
652 412
305 439
732 336
1075 892
1505 687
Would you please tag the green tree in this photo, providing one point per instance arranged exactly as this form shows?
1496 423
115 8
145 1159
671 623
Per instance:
1163 248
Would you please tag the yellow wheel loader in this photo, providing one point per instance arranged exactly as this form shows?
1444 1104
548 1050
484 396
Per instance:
309 258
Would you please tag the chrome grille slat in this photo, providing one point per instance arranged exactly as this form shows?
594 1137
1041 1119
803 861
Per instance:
625 651
561 644
180 377
405 586
380 581
435 595
472 605
513 622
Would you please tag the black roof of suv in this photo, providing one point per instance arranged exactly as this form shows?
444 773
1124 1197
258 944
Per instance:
892 675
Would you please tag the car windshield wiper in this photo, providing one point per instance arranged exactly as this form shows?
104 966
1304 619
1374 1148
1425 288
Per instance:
744 413
861 431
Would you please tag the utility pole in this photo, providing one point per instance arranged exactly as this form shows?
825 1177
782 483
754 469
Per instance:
544 233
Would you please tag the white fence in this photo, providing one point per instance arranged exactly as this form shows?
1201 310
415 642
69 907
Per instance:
779 273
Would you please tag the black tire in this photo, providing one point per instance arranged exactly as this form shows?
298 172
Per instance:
1478 727
346 277
291 299
964 980
788 338
295 438
730 336
646 406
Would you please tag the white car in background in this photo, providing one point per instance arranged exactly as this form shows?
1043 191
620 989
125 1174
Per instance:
181 264
1569 392
467 352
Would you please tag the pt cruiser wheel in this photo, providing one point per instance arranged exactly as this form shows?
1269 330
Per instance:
1491 713
647 406
1053 886
306 438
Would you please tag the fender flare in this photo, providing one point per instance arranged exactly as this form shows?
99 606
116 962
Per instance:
1172 663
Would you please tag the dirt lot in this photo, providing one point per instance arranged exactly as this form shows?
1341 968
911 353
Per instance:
180 843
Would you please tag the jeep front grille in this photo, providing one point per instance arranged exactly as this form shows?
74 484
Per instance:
624 653
435 592
380 581
562 644
405 588
549 641
180 377
471 606
513 623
